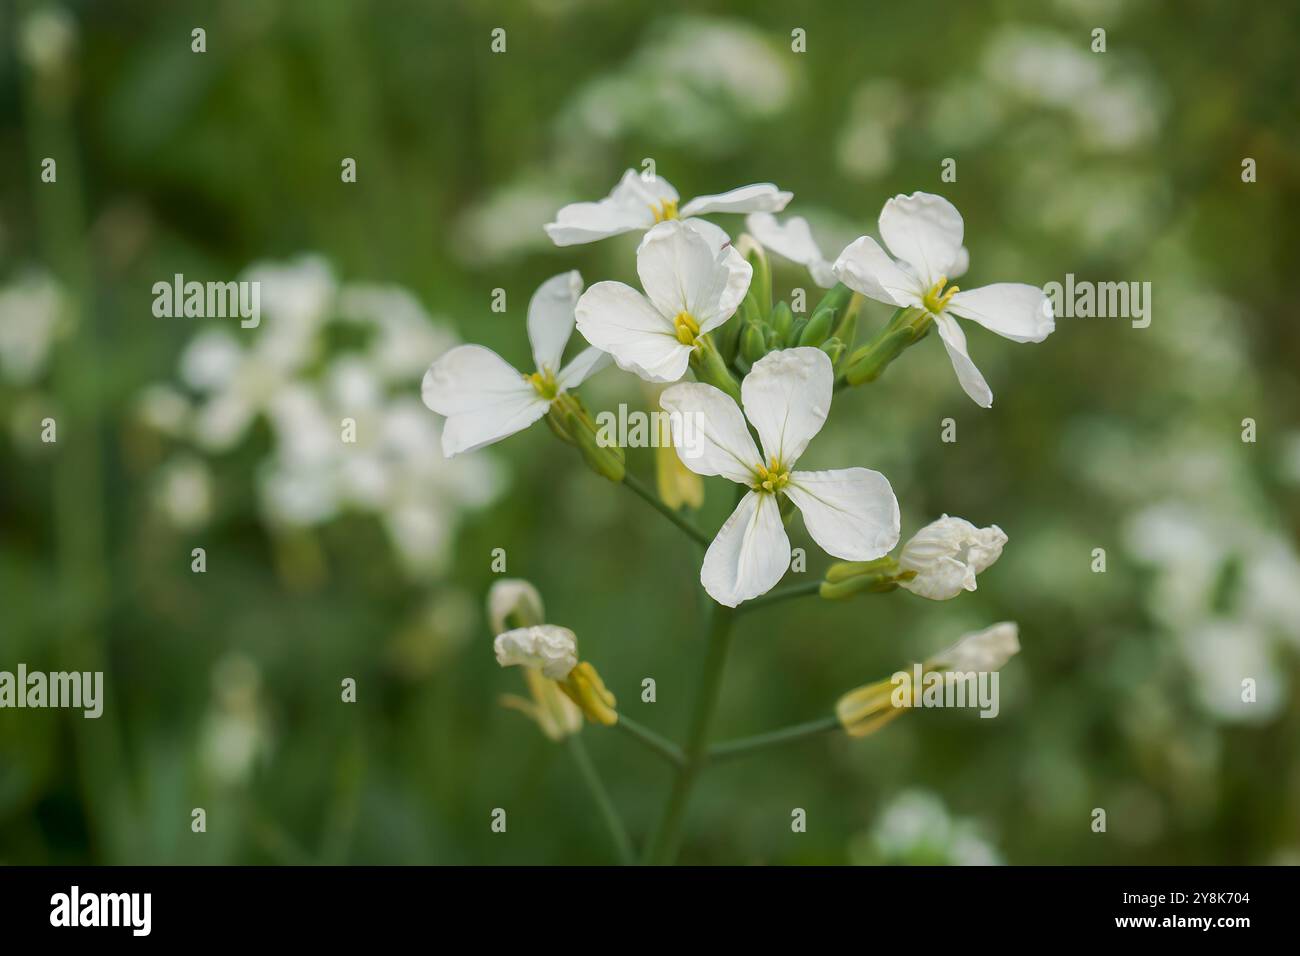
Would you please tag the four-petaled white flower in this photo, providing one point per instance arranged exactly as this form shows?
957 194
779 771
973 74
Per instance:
852 513
485 399
986 650
692 285
924 232
544 647
947 554
640 201
791 240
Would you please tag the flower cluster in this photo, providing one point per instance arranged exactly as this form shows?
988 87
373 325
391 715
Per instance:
705 308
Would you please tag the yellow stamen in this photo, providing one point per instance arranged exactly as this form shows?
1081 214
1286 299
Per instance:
936 299
664 210
544 384
687 328
771 477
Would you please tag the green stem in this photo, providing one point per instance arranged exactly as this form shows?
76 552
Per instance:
663 848
784 594
747 745
660 745
695 534
587 769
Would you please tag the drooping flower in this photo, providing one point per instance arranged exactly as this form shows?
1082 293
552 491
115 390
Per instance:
514 602
485 399
866 709
792 240
946 555
640 201
852 513
692 286
924 233
553 653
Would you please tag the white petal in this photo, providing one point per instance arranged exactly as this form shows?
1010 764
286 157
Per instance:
760 197
681 272
630 205
792 240
947 554
1014 310
787 396
545 647
583 366
550 319
483 398
925 231
960 264
954 340
715 234
750 553
709 432
986 650
865 267
851 512
619 320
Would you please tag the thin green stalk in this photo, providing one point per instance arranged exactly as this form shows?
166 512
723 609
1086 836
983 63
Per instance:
622 845
784 594
660 745
662 850
747 745
695 534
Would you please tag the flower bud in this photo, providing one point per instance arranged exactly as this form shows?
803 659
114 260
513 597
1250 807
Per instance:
782 321
865 710
513 603
585 688
818 328
752 344
947 554
847 578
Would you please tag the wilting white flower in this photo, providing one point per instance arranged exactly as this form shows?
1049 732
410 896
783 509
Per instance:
544 647
691 285
852 513
947 554
986 650
924 232
639 202
485 399
513 596
791 240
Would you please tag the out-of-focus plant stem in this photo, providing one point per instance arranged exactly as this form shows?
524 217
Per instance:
608 813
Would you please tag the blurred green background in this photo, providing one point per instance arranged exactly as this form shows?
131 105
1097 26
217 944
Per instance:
223 687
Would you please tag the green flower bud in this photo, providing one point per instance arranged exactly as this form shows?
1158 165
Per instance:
752 344
819 327
782 322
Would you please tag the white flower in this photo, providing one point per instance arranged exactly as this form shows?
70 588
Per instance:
692 285
986 650
947 554
545 647
852 513
515 596
639 201
925 233
791 240
485 399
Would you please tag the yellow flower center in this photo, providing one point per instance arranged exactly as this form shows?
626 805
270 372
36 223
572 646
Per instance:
544 384
936 299
664 210
771 477
687 328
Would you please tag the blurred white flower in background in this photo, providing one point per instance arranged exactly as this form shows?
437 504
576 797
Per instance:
184 491
31 320
286 375
235 733
917 829
697 81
